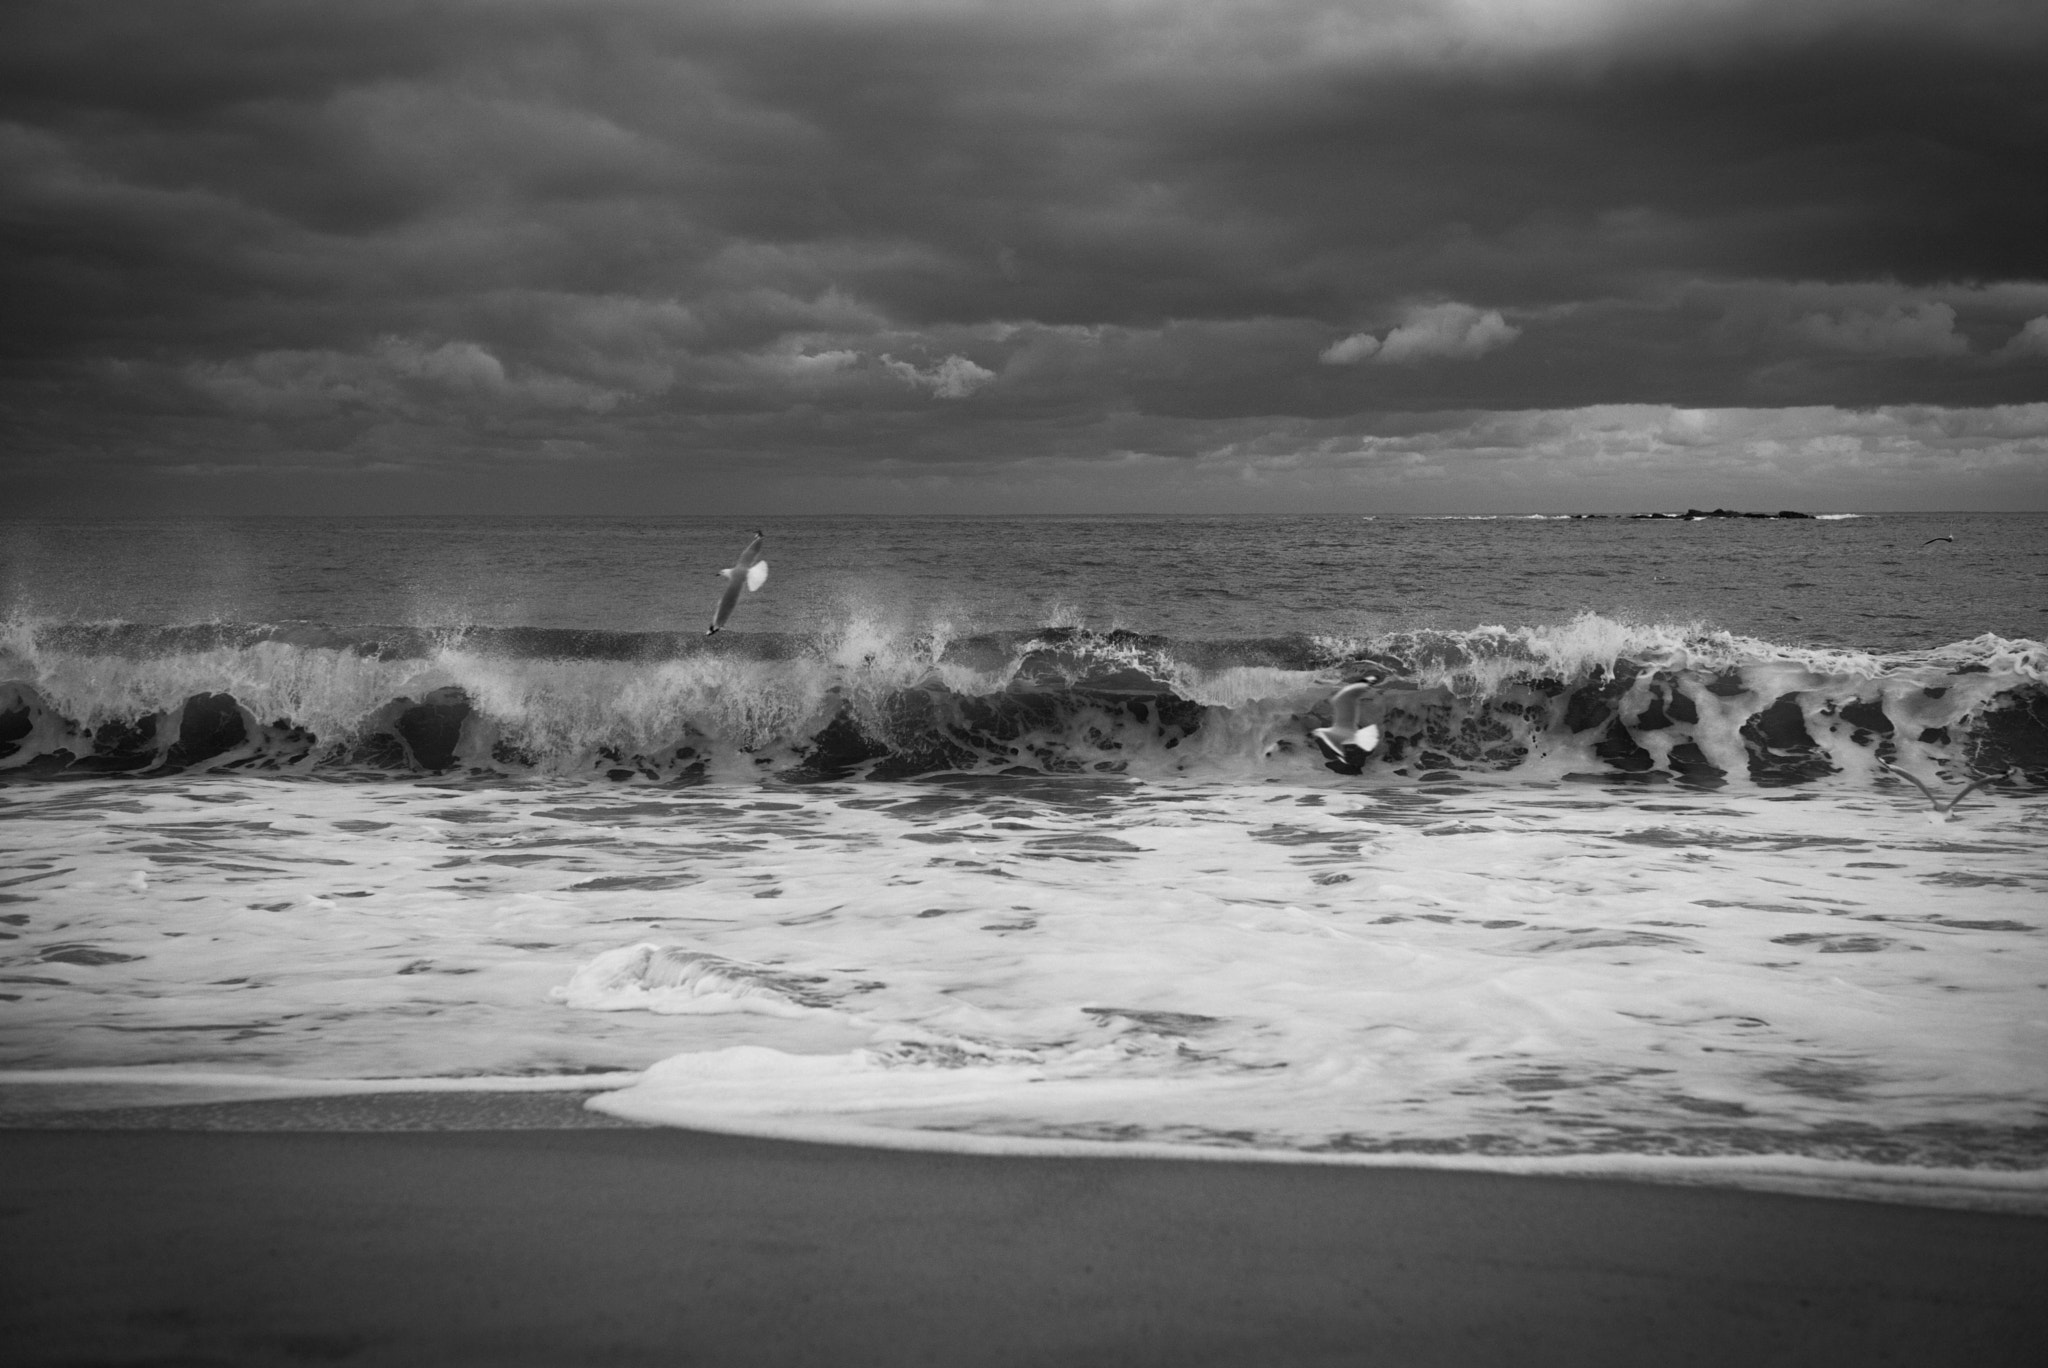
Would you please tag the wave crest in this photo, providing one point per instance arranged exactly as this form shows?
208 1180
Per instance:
1595 696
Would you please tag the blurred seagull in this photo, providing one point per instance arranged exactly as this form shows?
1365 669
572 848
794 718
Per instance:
1345 744
751 573
1945 810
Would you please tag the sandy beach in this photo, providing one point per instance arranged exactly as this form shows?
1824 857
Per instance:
542 1241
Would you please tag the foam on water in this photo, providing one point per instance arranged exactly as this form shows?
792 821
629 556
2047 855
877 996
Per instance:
665 978
1761 982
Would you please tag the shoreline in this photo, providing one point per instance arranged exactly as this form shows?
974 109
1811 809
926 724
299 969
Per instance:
651 1244
93 1100
563 1103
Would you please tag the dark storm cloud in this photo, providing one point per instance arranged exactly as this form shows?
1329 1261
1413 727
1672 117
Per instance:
915 235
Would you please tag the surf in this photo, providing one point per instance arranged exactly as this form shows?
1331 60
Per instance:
1595 698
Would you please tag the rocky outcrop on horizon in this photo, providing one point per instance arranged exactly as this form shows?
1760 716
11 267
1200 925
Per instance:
1695 514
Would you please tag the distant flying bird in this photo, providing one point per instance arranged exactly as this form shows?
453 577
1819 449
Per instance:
751 573
1945 809
1932 540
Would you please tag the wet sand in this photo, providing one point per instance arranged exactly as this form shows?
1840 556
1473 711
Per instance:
251 1241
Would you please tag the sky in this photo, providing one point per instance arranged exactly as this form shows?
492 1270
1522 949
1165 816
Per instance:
872 256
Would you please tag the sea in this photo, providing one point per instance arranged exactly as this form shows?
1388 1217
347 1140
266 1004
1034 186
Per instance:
1708 850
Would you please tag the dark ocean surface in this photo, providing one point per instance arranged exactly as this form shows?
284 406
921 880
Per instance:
1866 582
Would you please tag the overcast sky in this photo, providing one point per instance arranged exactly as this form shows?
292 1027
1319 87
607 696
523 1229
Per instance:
1395 256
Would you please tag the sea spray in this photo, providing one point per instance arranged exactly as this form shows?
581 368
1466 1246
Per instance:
1595 696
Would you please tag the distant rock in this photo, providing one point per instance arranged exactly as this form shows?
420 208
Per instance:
1695 514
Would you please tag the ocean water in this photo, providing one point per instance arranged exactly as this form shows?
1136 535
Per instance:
1007 834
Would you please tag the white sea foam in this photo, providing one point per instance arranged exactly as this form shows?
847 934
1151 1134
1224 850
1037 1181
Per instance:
1303 966
1176 935
679 982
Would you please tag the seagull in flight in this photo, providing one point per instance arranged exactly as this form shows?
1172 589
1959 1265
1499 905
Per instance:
1945 809
1344 743
751 572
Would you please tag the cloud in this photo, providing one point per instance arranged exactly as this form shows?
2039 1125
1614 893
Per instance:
1623 458
806 365
1923 329
1357 347
398 376
716 230
1452 330
956 377
2031 340
1449 330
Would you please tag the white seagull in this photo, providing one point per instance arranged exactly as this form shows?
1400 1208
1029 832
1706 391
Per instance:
1344 742
1944 809
751 573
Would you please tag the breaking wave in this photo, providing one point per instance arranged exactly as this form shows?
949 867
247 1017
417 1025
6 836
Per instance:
1649 703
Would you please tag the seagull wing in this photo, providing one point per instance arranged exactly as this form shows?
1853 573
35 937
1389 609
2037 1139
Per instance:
1979 782
733 585
1890 768
750 573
